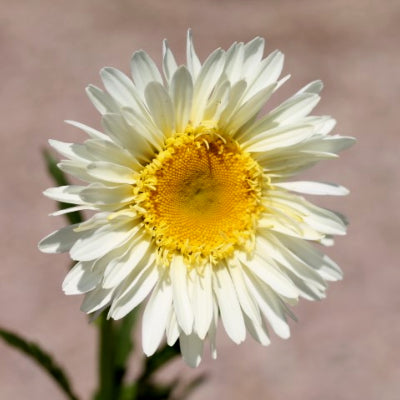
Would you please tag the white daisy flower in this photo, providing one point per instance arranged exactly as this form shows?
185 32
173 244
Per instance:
193 208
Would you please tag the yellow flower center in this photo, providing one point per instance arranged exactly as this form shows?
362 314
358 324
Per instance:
200 197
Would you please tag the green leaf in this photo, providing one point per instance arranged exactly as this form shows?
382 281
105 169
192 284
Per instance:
61 180
154 391
150 390
156 361
147 389
42 358
128 392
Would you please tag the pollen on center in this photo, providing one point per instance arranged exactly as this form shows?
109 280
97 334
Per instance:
200 197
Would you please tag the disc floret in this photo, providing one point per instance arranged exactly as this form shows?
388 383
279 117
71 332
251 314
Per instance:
200 197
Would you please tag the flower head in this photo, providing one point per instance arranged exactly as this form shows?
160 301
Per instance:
191 199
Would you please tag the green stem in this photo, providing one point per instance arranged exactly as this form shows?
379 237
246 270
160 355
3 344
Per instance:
109 386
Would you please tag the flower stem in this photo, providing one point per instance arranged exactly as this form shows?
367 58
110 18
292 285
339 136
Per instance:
109 384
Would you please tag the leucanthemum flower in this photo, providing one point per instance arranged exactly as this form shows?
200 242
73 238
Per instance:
192 202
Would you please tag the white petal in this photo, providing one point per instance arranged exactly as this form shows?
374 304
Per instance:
249 109
172 330
60 241
331 144
119 86
97 220
307 289
245 298
322 124
127 136
257 331
270 274
66 194
228 303
291 161
121 267
278 138
72 151
169 63
212 333
317 218
97 243
93 133
234 62
205 83
160 106
101 264
191 348
136 291
270 246
266 74
312 87
316 188
218 101
193 62
232 104
202 301
182 303
100 194
72 209
144 70
327 240
282 81
289 112
96 299
76 169
182 95
141 123
155 316
101 100
80 279
269 305
253 52
278 220
326 267
294 108
111 172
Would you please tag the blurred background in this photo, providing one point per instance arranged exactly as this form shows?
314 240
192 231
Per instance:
343 348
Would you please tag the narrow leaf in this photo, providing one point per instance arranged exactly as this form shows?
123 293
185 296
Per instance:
163 356
42 358
153 391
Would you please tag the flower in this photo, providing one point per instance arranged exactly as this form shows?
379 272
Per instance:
191 199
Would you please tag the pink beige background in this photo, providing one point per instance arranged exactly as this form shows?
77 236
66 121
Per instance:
343 348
